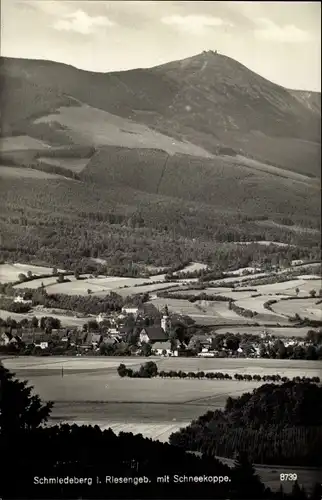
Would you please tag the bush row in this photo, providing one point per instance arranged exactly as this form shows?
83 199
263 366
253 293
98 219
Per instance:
149 370
247 313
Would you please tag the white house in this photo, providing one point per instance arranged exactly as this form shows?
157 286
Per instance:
5 338
101 317
130 310
164 348
297 262
19 299
42 345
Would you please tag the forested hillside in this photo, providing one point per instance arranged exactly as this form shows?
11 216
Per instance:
273 425
159 166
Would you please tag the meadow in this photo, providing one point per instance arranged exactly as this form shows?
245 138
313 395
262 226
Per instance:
9 272
283 332
23 172
89 125
38 282
190 268
203 312
280 172
256 304
74 164
97 378
304 284
91 389
305 308
105 284
66 321
21 142
92 393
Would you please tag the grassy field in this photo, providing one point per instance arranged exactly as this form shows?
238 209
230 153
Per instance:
36 283
104 285
289 287
89 384
132 290
10 272
74 164
239 279
138 390
193 266
257 330
90 125
65 320
256 304
305 308
91 392
99 286
253 300
280 172
21 142
203 311
29 173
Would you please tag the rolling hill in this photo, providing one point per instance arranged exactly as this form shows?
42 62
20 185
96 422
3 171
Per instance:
203 141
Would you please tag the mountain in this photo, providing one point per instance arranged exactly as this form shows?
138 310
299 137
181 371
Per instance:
311 100
202 137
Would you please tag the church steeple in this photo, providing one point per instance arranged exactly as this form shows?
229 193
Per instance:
165 320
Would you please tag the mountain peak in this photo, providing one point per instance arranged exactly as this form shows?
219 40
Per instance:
209 52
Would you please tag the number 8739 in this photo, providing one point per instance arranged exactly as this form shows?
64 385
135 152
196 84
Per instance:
288 477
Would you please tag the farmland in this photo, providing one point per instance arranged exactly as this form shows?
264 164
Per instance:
256 304
304 284
203 312
100 285
38 282
283 332
66 321
305 308
194 266
90 379
253 298
106 284
91 392
9 272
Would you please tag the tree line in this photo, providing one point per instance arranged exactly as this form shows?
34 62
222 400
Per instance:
150 370
80 451
275 424
164 235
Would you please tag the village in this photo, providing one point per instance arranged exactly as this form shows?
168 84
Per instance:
144 330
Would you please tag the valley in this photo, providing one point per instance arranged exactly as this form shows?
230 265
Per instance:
160 260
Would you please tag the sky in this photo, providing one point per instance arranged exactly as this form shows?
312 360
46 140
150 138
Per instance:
278 40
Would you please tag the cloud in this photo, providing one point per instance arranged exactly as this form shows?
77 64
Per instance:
194 23
51 7
289 33
80 22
